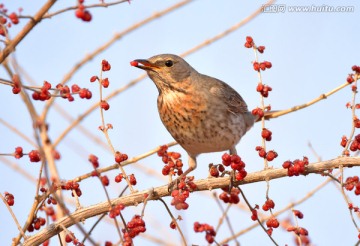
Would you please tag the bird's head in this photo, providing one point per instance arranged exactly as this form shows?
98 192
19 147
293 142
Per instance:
167 71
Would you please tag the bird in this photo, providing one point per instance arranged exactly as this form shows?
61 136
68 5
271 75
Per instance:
203 114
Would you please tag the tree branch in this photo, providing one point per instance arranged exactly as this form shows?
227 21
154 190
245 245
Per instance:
162 191
27 28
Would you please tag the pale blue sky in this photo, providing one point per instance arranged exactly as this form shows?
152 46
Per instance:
311 53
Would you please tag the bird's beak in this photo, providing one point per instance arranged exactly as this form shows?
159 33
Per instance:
143 64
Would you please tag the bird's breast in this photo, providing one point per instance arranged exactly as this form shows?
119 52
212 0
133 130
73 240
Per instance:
198 123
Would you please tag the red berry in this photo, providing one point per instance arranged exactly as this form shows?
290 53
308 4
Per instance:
249 39
34 156
75 88
104 105
105 83
256 66
261 49
14 18
271 155
79 13
105 180
214 171
105 65
266 134
118 178
18 152
87 16
350 79
94 78
226 159
132 179
134 63
173 225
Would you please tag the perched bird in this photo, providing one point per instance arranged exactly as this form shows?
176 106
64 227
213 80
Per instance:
202 113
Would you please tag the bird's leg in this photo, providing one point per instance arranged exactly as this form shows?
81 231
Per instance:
232 151
192 166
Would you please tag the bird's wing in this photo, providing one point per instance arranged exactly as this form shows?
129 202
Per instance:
233 100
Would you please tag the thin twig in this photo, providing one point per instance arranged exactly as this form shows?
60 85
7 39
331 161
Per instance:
258 220
174 220
276 114
13 216
224 215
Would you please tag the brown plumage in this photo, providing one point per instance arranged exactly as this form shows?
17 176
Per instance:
202 113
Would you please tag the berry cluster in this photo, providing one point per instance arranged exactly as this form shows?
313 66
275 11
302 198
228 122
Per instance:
269 204
135 227
43 93
66 93
269 156
51 200
351 76
72 185
210 232
297 167
351 183
118 178
82 13
236 164
262 66
173 163
250 44
9 198
184 187
105 66
263 89
271 224
116 210
34 156
119 157
36 224
355 144
7 20
231 197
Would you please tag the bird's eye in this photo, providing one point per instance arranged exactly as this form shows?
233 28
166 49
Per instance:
169 63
